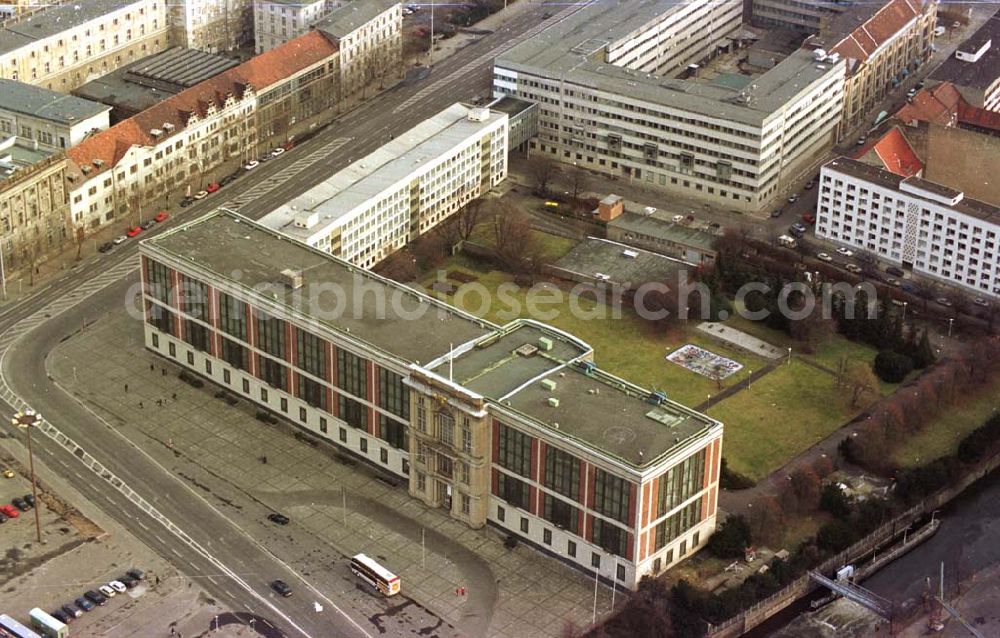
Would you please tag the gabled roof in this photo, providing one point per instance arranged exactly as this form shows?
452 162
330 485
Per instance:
889 20
937 105
255 74
897 155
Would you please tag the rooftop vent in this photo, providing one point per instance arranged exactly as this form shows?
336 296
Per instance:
657 398
167 126
479 114
630 254
85 169
819 54
588 367
98 163
549 384
553 402
544 343
527 350
155 132
291 278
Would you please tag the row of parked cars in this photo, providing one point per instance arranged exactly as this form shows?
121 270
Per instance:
15 507
134 231
98 597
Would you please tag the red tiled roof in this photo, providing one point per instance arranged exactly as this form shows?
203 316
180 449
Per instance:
897 155
878 29
978 117
936 105
111 145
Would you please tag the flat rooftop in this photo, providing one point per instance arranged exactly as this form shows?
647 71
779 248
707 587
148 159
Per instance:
635 268
572 50
14 157
348 18
510 105
53 21
659 226
982 73
345 191
18 97
968 206
390 317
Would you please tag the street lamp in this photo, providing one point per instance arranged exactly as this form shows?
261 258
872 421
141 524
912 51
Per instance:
951 321
789 361
904 311
26 420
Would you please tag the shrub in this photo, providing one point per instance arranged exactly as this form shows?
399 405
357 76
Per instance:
892 367
836 536
833 500
730 480
975 444
731 538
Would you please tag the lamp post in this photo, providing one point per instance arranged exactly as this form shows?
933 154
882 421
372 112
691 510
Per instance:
789 361
951 322
27 420
904 311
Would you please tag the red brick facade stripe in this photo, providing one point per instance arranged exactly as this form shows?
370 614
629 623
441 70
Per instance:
630 546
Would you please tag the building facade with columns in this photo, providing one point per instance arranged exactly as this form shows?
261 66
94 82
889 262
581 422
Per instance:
511 426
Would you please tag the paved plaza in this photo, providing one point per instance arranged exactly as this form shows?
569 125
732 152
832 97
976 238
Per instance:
217 447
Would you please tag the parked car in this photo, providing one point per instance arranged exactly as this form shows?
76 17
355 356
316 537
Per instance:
943 301
281 587
161 217
213 187
809 218
3 518
861 141
201 195
120 239
96 597
8 473
133 231
810 184
61 616
72 611
137 574
846 252
264 158
280 519
83 604
795 232
105 247
979 301
911 93
187 201
714 225
227 180
776 213
892 281
824 257
792 199
107 590
29 499
20 504
799 227
118 586
9 511
146 225
278 151
252 164
895 271
677 219
854 268
128 581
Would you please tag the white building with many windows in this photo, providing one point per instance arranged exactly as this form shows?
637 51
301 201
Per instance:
278 21
610 99
932 229
45 118
388 198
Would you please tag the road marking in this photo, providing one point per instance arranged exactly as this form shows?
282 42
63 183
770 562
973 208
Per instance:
229 593
143 526
161 541
175 552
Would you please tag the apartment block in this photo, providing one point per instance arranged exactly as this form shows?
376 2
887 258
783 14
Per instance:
211 25
278 21
66 45
805 16
974 68
510 426
221 123
390 197
370 36
46 118
731 139
918 224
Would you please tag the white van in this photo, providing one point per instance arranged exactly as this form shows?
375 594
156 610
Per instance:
787 241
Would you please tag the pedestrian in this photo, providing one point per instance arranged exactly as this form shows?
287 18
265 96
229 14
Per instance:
140 405
164 372
170 443
174 396
159 402
157 580
126 388
173 632
263 460
152 367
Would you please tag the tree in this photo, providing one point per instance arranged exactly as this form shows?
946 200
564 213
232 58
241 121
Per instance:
860 381
867 261
578 180
836 536
806 485
460 226
833 500
542 169
516 245
892 367
400 266
766 519
731 538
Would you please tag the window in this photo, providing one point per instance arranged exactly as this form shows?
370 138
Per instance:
273 373
562 472
620 571
383 455
462 472
512 490
322 424
302 415
158 284
560 513
263 395
196 335
354 413
421 415
571 549
680 483
364 445
609 536
466 504
678 523
466 439
271 336
342 435
612 496
515 450
172 348
524 525
233 316
393 432
235 355
595 560
190 358
311 351
445 427
208 367
501 514
351 373
311 391
393 394
422 483
547 536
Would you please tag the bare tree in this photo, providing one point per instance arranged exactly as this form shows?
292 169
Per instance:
861 381
515 243
542 169
578 180
867 261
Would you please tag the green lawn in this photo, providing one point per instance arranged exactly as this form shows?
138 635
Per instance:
782 414
626 346
941 437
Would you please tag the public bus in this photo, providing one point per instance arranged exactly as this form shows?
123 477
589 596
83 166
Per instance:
10 628
375 575
49 626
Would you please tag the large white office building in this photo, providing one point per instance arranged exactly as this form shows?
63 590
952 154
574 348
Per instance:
932 229
388 198
610 99
278 21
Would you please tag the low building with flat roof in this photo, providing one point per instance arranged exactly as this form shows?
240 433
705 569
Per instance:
47 118
974 68
149 81
513 426
379 203
602 261
522 120
658 233
611 99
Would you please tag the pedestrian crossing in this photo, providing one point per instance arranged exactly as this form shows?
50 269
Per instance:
282 176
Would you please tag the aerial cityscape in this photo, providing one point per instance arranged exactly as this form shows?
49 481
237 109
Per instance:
500 318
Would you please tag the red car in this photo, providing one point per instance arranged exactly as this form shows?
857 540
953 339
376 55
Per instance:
214 186
132 232
809 218
10 511
161 216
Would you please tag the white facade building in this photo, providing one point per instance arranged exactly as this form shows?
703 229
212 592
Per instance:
381 202
934 230
278 21
733 140
370 36
211 25
48 119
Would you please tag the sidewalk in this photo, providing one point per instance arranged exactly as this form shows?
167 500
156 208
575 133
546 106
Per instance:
217 448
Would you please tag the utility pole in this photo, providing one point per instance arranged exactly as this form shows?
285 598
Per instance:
26 421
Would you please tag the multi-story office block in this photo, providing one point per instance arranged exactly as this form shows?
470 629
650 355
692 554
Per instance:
806 16
974 68
511 426
388 198
881 45
227 120
370 36
278 21
211 25
932 229
606 104
67 45
48 119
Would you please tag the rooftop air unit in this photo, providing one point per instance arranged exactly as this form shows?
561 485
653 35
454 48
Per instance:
553 402
549 384
479 114
291 278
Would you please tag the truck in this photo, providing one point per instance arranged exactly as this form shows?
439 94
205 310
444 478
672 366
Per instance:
47 625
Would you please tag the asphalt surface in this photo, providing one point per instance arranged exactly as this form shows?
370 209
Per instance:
191 534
